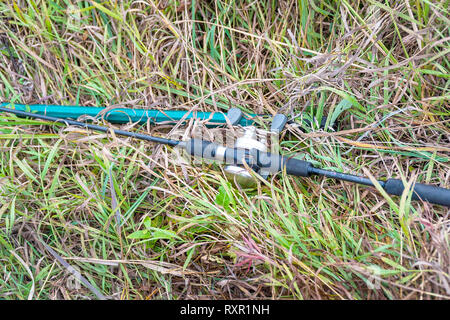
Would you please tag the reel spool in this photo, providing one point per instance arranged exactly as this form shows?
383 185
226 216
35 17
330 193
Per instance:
248 141
240 175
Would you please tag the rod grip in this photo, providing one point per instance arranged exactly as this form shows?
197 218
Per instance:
421 191
297 167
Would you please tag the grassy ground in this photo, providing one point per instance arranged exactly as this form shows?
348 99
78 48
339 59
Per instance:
134 225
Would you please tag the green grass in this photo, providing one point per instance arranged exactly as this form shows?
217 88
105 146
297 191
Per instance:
136 225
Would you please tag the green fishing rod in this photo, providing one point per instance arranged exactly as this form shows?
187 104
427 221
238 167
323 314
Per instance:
256 159
125 115
234 116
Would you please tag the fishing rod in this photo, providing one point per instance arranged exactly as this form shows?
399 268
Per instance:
125 115
259 160
234 116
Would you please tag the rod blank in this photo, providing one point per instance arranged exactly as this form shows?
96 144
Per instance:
92 127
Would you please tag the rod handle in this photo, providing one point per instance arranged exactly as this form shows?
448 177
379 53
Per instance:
297 167
432 194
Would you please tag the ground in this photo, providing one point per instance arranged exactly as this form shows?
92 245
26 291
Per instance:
84 215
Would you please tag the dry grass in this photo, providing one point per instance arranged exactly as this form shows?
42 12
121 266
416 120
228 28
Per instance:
380 68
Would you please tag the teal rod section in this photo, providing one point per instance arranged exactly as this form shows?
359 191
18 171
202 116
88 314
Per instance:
126 115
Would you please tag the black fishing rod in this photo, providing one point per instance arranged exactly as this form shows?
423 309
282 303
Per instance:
265 161
92 126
